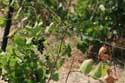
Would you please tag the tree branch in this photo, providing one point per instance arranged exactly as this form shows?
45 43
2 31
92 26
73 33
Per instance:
70 70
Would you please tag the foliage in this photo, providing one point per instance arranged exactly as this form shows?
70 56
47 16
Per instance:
99 71
86 66
31 58
99 19
96 72
2 20
21 62
28 58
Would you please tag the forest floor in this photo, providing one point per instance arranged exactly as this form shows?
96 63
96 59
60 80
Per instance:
74 76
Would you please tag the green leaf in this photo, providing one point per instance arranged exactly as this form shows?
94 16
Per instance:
18 13
96 73
2 20
99 71
104 70
60 63
89 30
19 40
86 66
68 50
12 33
55 76
40 73
13 61
12 2
82 46
29 40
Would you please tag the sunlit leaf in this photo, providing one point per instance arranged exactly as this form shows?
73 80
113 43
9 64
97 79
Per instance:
2 20
86 66
29 40
18 13
99 71
12 33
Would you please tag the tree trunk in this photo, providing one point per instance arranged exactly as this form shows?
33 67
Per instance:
7 28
